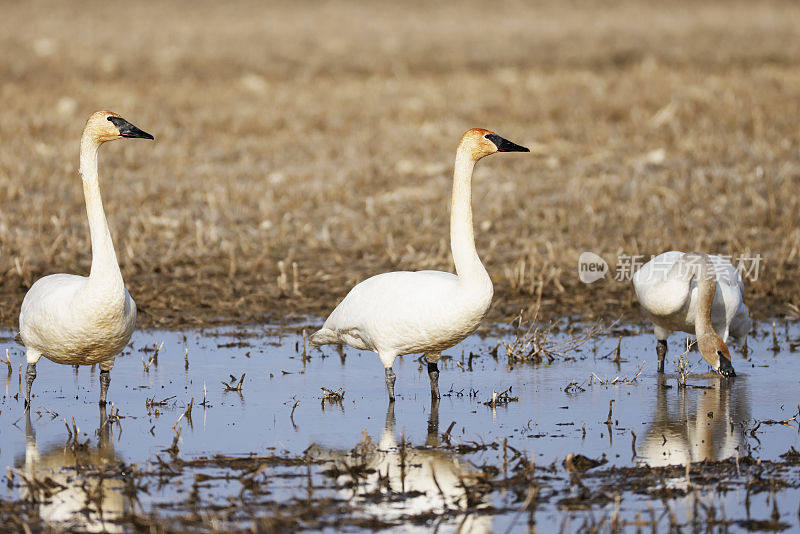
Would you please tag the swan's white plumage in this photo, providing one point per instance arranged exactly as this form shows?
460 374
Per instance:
81 320
72 321
407 312
671 303
424 311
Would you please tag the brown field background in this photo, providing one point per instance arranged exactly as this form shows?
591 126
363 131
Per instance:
323 134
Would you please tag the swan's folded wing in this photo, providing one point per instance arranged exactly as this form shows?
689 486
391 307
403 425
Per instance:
48 297
727 273
388 292
393 306
654 271
51 291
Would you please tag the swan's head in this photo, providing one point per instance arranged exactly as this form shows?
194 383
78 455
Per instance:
483 143
716 353
105 126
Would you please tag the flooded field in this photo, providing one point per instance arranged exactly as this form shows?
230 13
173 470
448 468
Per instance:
262 445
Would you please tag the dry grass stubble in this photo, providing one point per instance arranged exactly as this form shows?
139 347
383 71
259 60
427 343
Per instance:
324 134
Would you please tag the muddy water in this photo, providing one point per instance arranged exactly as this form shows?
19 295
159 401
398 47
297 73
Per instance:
410 447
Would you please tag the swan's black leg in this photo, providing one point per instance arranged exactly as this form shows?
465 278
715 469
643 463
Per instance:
433 373
30 376
390 379
661 350
105 380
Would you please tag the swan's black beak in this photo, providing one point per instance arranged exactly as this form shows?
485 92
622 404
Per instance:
726 368
127 129
504 145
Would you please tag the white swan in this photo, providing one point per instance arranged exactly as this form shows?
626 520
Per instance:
424 311
696 293
81 320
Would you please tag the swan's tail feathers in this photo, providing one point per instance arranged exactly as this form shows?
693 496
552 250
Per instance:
324 336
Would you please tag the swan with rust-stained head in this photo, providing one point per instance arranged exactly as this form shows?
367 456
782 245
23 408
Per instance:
80 320
425 312
696 293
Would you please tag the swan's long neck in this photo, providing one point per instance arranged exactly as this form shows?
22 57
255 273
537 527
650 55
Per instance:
462 239
104 260
706 289
672 293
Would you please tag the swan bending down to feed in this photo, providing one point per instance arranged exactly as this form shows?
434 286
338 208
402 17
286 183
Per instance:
78 320
424 311
696 293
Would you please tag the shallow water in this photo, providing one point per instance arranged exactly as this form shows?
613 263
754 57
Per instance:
712 419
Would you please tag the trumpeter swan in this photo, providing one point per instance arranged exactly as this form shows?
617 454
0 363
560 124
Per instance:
424 311
696 293
80 320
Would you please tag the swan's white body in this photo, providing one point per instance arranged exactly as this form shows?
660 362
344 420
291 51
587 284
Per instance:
74 320
670 301
81 320
407 312
425 311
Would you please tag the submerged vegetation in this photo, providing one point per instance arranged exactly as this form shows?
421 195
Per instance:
507 448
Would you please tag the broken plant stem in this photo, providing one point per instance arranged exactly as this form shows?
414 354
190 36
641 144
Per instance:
233 385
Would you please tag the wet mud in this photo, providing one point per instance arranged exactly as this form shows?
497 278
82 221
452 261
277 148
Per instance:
566 426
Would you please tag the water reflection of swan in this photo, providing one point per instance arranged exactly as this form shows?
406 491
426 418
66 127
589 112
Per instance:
429 481
692 428
77 503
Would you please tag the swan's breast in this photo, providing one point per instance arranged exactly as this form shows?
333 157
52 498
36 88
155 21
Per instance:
73 324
